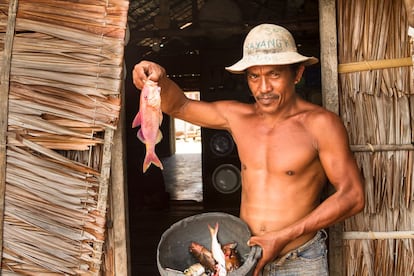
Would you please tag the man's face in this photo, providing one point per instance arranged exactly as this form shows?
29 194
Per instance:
272 85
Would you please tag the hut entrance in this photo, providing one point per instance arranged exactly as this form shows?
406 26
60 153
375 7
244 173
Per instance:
182 173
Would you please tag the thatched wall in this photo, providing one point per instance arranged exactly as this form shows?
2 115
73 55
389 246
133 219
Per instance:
377 106
62 70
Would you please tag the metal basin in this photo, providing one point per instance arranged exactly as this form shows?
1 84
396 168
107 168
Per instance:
173 255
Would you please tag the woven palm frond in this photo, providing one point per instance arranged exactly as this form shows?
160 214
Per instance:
63 99
376 106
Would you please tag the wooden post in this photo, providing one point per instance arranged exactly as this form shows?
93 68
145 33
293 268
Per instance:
119 195
329 57
330 99
4 108
103 192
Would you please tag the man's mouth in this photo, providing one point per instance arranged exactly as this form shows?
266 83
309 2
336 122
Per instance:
267 99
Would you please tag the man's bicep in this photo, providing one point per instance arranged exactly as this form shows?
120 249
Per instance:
335 155
205 114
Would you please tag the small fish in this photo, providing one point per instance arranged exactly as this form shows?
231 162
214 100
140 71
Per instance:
218 253
231 255
195 270
149 117
203 255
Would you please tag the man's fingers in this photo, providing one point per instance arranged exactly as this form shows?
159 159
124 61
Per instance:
140 75
252 241
260 263
137 77
258 268
249 243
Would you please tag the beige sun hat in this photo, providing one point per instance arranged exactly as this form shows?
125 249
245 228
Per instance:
269 44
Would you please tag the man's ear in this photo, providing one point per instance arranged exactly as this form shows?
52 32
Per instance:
299 73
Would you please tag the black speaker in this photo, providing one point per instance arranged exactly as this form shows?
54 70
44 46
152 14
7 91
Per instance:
221 170
220 160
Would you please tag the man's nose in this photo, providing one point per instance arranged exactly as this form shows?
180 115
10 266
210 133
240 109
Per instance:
265 86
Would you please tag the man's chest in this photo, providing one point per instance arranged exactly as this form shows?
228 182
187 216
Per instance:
286 149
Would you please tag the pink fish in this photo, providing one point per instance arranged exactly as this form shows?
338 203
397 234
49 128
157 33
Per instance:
149 117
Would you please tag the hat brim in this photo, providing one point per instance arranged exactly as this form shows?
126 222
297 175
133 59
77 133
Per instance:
270 59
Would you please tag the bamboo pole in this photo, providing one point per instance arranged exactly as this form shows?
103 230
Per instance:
4 99
375 148
369 65
354 235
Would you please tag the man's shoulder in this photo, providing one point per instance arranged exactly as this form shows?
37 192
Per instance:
315 111
320 118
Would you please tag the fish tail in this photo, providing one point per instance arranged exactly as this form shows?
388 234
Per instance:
151 158
213 231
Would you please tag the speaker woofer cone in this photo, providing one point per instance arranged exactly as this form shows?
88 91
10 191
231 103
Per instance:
226 178
221 144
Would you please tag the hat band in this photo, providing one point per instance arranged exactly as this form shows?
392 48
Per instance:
264 51
273 45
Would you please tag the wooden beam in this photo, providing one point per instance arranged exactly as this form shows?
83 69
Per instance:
119 198
307 24
329 59
330 99
4 107
162 20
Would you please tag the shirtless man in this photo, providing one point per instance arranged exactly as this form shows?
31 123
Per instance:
289 149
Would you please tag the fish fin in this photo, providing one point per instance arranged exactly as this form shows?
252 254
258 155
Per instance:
151 158
137 120
140 136
159 137
160 117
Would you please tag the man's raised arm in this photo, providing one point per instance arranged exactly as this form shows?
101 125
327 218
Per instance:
175 103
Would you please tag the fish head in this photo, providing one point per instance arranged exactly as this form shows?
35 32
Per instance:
151 94
229 249
195 248
154 98
229 246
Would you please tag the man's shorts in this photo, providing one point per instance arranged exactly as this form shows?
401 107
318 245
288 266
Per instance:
310 259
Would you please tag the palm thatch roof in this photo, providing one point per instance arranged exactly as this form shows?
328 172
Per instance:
61 84
377 108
